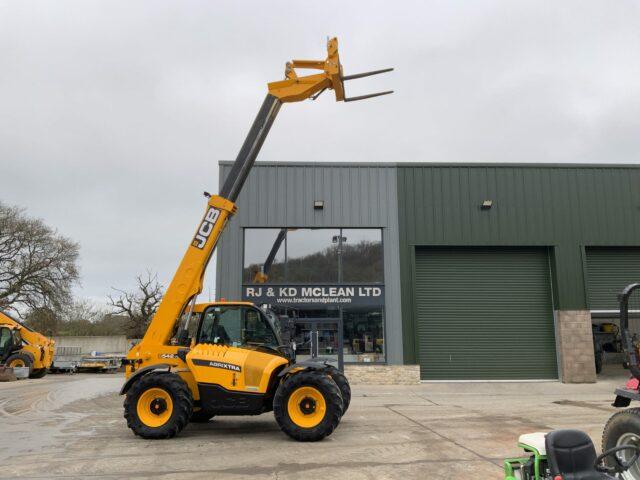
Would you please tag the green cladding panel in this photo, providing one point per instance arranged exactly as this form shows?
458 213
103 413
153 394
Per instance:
609 270
563 208
484 313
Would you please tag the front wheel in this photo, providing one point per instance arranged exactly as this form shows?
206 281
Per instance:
623 428
308 406
158 405
20 360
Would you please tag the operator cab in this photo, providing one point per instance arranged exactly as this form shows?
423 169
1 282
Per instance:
234 324
10 341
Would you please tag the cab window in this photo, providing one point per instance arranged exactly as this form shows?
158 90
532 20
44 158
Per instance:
6 340
235 326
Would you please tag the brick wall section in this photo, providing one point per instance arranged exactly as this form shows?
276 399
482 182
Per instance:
575 344
383 374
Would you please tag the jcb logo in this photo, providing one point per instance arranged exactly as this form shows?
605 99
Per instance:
206 227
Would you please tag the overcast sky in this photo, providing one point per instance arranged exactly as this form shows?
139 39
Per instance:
113 115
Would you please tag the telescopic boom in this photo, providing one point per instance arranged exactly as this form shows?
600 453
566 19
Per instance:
188 279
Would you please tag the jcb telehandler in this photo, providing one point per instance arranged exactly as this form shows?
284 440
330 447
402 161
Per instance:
227 358
21 346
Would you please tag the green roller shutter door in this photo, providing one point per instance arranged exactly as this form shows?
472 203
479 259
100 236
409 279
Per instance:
484 313
609 270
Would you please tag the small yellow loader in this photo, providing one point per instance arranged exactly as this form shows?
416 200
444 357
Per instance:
21 346
228 358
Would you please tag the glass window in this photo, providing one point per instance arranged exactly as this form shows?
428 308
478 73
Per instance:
235 326
190 322
312 255
5 340
361 255
363 335
264 254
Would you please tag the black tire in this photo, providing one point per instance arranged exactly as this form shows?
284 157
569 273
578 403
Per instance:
326 387
598 353
599 362
181 399
621 423
343 385
38 373
26 359
201 416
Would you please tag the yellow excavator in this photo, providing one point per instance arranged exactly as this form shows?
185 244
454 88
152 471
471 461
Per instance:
21 346
228 358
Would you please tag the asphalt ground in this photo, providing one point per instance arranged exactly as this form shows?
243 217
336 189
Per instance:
71 427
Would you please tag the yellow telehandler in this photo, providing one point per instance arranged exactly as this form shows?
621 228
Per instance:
227 358
21 346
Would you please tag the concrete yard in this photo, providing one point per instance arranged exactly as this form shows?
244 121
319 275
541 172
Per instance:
72 427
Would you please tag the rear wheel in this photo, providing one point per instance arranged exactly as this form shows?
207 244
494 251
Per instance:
308 406
20 360
201 416
38 373
158 405
623 428
599 357
343 385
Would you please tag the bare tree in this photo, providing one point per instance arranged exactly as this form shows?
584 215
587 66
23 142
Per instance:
139 305
81 317
38 266
43 320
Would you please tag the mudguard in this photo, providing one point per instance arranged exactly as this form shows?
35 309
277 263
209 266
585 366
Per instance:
318 363
161 367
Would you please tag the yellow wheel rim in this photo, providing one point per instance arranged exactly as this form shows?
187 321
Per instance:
17 362
306 407
155 407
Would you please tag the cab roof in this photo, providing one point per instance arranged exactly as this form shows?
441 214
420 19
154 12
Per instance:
199 307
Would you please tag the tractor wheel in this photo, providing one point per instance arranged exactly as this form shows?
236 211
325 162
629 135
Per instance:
308 406
343 385
38 373
599 358
201 416
158 405
20 360
623 428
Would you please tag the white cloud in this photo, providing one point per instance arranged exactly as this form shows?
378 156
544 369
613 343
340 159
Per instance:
113 114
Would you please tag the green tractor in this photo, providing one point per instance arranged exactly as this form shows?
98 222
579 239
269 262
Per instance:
568 455
623 428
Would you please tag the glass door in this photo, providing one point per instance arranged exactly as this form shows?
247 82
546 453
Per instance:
302 335
319 338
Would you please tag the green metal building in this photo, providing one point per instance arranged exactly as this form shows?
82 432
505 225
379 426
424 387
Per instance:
491 271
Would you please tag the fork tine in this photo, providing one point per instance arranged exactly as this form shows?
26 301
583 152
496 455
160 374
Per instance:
370 95
365 74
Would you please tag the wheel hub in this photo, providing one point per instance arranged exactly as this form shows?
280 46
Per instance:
308 406
155 407
158 406
629 439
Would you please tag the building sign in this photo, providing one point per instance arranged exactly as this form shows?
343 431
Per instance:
310 295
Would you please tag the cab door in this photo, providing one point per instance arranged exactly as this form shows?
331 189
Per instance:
8 343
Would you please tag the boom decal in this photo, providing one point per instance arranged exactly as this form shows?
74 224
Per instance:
206 227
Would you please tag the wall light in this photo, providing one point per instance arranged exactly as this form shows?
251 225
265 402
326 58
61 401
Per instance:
318 204
487 204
